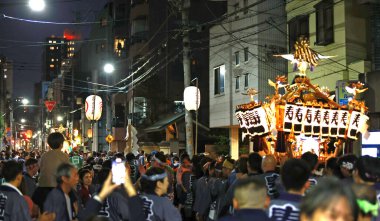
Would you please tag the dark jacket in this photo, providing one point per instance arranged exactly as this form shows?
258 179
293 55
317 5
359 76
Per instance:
247 215
202 196
285 207
56 202
31 184
115 207
12 205
270 178
94 207
158 208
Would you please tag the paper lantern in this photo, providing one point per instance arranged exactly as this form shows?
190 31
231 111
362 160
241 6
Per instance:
192 98
93 107
253 122
29 134
89 133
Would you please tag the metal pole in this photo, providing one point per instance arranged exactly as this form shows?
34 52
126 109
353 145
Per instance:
94 125
11 125
72 102
196 120
187 74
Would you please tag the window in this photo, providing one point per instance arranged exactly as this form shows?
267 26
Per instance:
325 22
219 73
51 48
236 8
120 12
52 65
245 6
237 83
118 46
237 60
298 27
139 25
246 54
246 79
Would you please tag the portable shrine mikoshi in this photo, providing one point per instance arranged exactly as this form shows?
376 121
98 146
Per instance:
306 117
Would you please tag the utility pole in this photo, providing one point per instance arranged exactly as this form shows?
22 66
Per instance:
94 127
187 73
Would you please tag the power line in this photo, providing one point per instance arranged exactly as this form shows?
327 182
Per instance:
59 23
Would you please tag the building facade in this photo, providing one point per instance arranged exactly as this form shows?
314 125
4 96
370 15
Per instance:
241 57
336 28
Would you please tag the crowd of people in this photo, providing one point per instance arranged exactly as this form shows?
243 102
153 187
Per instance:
79 186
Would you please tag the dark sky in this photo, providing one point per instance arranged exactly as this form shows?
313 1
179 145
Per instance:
19 39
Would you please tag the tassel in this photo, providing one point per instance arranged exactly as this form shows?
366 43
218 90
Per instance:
256 143
281 142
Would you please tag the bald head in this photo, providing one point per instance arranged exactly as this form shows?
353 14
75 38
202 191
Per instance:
269 163
248 189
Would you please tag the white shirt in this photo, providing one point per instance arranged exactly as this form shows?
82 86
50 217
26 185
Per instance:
68 205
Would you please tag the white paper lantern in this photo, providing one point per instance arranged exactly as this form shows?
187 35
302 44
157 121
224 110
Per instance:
93 107
191 99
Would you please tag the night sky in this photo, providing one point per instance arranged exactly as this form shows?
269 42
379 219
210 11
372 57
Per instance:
23 41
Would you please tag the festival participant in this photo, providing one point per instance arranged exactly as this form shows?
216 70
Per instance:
367 202
245 207
294 176
202 192
184 187
159 160
331 167
31 166
85 189
227 168
311 159
109 202
241 169
12 203
347 164
134 164
154 185
254 164
254 169
270 176
329 200
62 200
48 167
368 172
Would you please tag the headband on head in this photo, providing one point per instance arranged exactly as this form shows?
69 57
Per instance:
347 165
154 158
155 177
227 164
368 207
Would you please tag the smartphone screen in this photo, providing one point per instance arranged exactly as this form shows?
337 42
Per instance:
118 171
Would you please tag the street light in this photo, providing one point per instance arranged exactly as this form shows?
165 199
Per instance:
109 68
59 118
25 101
23 120
37 5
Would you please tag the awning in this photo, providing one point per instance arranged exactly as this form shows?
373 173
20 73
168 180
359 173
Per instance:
161 124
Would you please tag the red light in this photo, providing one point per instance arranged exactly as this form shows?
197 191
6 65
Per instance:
71 35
